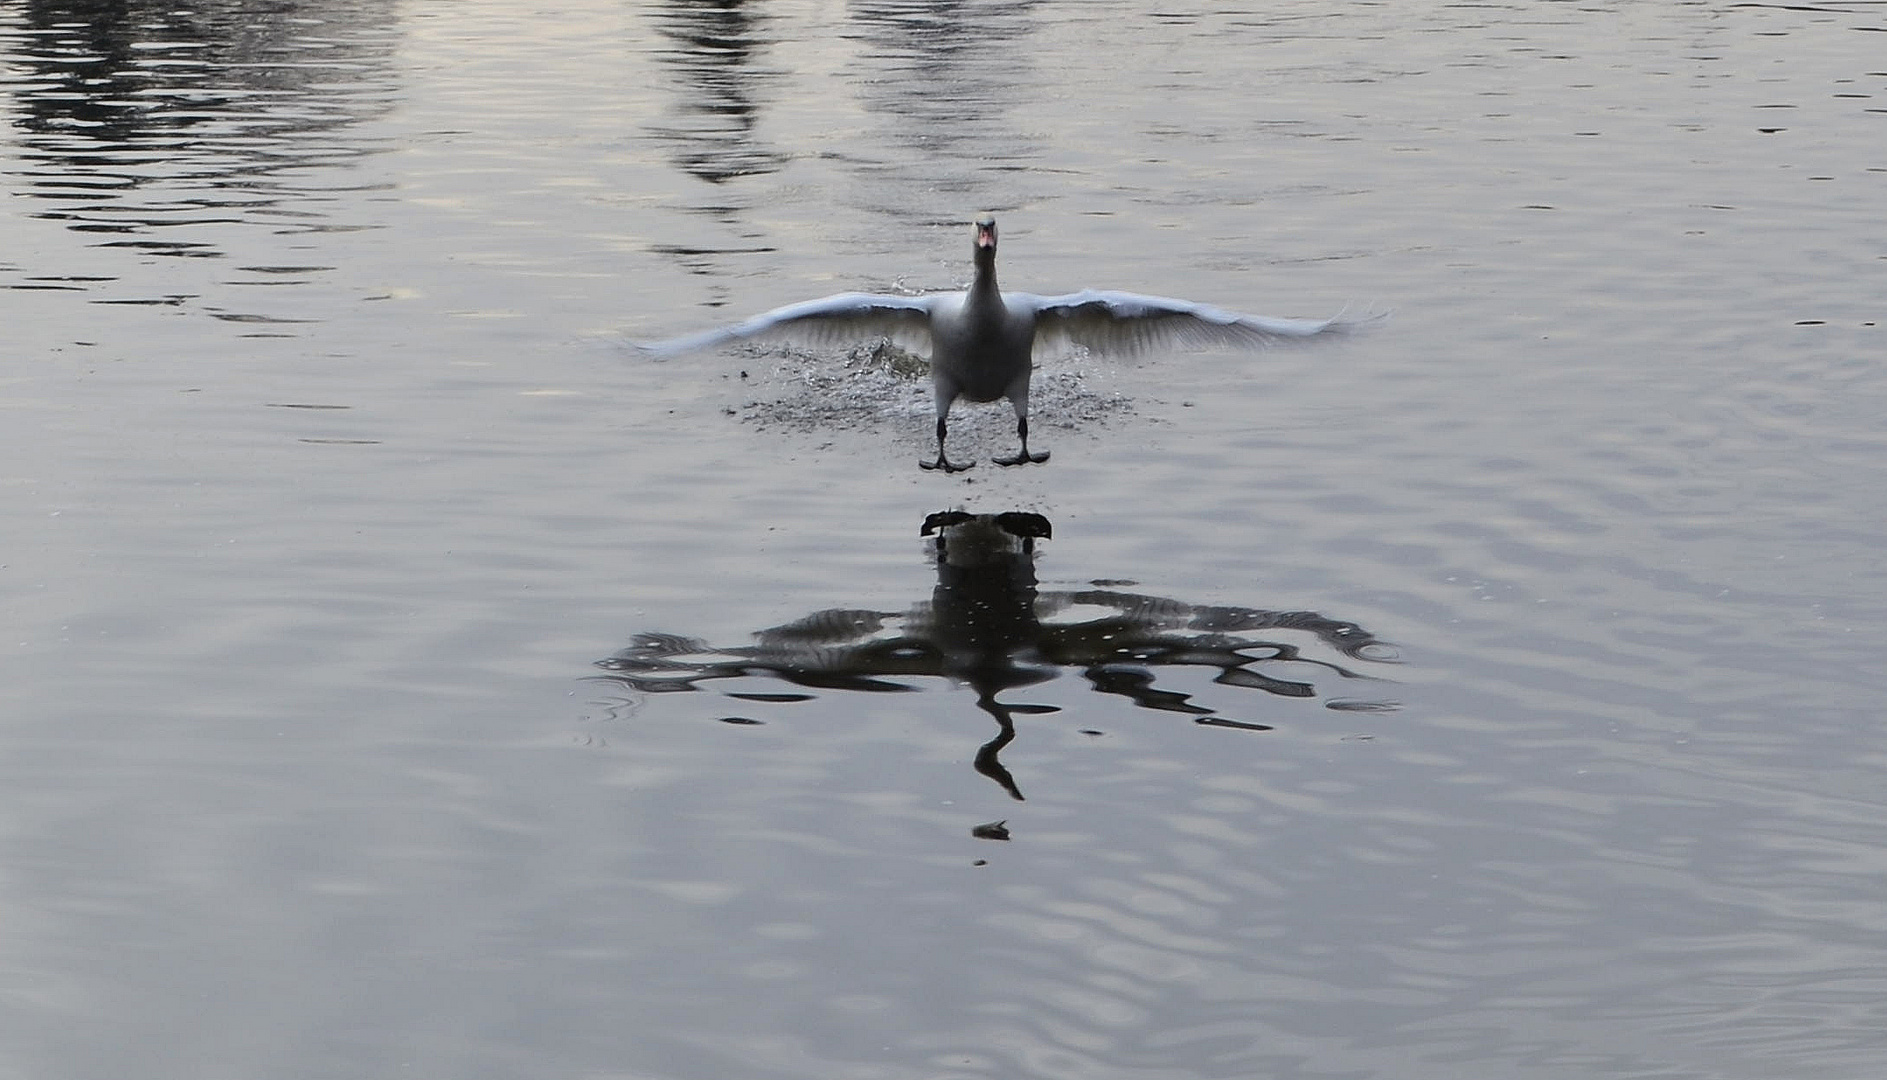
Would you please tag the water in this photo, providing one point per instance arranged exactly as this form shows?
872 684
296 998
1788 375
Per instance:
329 486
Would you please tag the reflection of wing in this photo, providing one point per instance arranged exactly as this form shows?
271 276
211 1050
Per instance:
650 663
834 650
832 320
1124 323
828 627
1145 616
841 649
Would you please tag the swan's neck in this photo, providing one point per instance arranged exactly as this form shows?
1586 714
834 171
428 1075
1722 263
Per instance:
983 289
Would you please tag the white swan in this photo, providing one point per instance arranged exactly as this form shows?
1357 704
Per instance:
981 341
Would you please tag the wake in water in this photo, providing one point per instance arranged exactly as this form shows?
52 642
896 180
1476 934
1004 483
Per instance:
883 386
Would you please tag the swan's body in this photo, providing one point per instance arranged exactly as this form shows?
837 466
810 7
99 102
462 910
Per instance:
981 342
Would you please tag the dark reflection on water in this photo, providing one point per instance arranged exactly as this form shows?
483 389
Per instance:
153 123
947 75
988 626
713 52
944 91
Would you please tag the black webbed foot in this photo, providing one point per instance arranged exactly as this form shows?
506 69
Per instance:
1023 457
945 465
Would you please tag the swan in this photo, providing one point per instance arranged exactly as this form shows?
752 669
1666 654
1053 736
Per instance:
981 342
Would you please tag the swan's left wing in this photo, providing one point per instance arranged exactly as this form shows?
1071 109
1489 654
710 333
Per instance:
1125 323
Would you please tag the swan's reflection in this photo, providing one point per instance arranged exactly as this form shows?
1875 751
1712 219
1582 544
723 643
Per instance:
988 626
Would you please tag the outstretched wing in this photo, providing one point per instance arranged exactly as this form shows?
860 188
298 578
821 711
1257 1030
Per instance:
1124 323
832 320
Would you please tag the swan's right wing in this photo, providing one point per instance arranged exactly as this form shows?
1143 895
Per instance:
830 321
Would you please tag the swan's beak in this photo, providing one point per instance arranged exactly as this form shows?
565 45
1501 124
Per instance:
986 234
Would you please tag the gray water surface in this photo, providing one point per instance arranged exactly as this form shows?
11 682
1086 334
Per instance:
1491 695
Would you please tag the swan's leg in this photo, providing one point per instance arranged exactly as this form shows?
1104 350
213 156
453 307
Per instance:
945 396
1019 398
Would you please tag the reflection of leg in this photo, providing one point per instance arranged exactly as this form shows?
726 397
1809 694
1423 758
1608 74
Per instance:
987 761
943 462
1023 457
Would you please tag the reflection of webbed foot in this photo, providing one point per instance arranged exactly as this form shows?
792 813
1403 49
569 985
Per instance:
943 519
944 464
1023 457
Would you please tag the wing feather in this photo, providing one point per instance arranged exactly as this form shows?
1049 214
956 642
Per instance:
826 322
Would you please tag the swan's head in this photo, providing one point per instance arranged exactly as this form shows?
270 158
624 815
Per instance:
986 234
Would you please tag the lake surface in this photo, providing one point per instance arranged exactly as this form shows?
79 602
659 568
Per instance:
404 677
